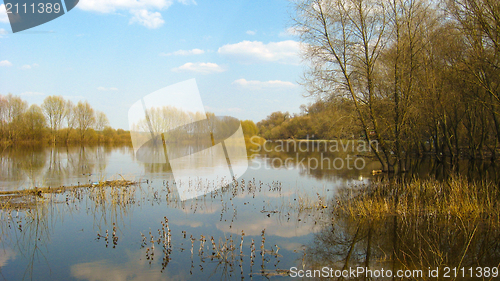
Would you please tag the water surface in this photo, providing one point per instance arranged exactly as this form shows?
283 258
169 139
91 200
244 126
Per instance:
284 211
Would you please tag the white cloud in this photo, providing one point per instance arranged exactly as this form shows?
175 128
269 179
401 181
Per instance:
148 19
3 14
292 31
27 66
251 32
3 32
188 2
144 12
109 6
31 94
263 84
286 52
107 89
5 63
200 67
184 53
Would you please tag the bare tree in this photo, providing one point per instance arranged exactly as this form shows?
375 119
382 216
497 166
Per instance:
84 118
54 109
16 107
101 121
411 25
479 23
394 60
3 116
69 118
344 40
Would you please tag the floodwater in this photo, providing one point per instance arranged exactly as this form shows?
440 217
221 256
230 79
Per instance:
275 217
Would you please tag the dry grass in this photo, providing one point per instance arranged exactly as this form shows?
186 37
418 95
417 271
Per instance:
21 199
37 190
455 197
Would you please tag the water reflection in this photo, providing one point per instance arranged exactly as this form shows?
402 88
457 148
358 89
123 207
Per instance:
406 241
32 166
59 236
170 126
101 221
134 268
402 244
318 159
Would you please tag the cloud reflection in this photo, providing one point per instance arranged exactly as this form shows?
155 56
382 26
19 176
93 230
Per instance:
253 225
5 256
135 269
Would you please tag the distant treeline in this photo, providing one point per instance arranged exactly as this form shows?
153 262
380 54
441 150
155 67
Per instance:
60 121
57 121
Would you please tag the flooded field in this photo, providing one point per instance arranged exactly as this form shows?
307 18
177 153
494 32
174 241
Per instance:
273 221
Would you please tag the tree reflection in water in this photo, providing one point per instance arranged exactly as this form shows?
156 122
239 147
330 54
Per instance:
405 241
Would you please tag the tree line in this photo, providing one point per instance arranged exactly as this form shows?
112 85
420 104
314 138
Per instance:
60 121
56 121
324 119
415 75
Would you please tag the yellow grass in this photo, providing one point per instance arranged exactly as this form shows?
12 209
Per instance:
455 197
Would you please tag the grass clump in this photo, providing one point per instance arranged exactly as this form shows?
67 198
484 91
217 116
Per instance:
455 197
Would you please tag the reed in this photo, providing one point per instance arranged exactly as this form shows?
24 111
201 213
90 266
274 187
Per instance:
222 251
455 197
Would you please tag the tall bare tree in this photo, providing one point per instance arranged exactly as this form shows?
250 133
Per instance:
69 118
101 121
84 118
16 107
54 109
479 23
344 41
3 116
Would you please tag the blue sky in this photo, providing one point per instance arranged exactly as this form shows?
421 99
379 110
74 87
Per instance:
242 54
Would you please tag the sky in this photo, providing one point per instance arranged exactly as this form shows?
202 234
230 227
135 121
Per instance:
243 54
